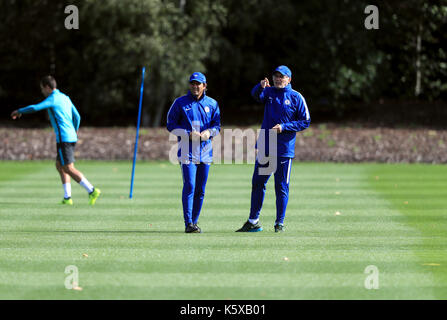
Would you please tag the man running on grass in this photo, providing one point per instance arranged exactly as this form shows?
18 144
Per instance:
65 120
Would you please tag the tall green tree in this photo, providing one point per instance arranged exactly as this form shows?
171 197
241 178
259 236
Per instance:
334 59
29 33
170 38
99 65
415 42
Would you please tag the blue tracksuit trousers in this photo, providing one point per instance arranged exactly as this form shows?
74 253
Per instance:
259 182
194 182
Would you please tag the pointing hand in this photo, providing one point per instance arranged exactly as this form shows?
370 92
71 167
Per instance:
265 83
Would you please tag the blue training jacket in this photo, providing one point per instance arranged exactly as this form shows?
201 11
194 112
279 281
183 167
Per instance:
64 117
187 114
286 107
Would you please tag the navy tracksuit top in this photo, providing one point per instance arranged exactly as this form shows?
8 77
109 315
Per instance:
187 114
286 107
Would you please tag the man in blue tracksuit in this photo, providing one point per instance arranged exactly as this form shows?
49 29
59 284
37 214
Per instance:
285 113
194 118
65 120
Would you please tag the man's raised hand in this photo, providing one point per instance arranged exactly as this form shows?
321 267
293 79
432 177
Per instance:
265 83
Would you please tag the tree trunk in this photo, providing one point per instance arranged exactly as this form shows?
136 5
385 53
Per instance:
159 108
52 59
417 88
182 5
145 113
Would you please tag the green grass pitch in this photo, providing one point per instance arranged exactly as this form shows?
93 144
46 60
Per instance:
391 216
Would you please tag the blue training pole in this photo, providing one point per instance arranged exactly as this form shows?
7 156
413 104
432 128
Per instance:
136 137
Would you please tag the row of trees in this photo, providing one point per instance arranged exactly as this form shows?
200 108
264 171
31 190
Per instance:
334 58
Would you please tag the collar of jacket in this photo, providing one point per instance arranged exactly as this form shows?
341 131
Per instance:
194 98
286 88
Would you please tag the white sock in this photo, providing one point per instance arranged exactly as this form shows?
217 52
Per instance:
253 221
87 185
67 190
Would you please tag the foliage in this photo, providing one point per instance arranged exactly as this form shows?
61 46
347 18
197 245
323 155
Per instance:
334 59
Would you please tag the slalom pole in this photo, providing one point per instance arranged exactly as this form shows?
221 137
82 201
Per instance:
136 137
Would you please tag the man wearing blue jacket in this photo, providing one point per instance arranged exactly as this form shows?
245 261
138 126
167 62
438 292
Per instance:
65 120
286 113
194 118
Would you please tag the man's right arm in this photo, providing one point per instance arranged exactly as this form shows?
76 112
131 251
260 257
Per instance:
47 103
76 117
173 121
259 91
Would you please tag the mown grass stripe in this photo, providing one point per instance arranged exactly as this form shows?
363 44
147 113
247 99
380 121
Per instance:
130 241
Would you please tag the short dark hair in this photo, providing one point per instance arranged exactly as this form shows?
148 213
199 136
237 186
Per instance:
48 81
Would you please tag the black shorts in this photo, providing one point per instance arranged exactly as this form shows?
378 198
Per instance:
65 152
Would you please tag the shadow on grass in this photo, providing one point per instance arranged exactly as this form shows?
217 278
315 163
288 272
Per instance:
225 232
90 231
110 231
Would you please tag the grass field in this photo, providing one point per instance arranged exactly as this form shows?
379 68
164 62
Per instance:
391 216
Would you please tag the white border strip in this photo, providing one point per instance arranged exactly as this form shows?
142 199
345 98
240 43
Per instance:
288 171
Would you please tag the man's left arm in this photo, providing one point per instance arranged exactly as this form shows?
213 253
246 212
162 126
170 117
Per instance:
215 122
214 128
302 118
76 117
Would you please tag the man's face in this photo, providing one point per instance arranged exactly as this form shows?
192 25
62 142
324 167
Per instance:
197 88
46 91
280 81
